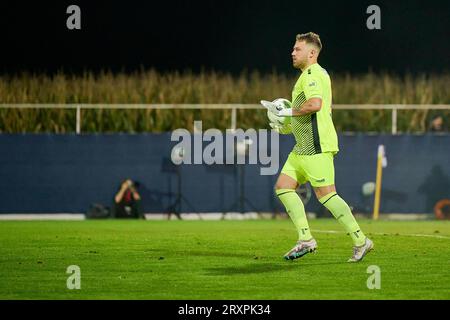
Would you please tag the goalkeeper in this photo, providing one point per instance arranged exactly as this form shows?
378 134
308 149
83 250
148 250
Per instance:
312 156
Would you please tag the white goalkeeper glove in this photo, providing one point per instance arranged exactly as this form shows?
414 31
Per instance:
277 109
281 129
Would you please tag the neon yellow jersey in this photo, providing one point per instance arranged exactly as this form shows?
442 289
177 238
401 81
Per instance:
314 133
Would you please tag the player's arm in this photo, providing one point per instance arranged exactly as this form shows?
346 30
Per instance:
310 99
307 102
311 105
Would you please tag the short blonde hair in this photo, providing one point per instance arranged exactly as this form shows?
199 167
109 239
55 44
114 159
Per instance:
311 38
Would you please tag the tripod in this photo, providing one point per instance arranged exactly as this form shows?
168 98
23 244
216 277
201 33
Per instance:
242 148
175 208
242 200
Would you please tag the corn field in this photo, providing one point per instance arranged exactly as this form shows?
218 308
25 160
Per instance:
208 87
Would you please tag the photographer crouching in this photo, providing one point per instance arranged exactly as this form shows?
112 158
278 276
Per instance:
127 202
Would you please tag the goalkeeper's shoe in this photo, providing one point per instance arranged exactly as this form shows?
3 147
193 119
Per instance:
361 251
301 248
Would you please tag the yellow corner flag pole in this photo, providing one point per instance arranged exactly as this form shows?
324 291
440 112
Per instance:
381 162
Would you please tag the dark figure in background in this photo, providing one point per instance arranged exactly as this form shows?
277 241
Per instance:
127 202
437 124
435 187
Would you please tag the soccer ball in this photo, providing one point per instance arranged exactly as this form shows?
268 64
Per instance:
281 104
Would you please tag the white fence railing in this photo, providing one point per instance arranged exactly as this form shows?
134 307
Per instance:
232 107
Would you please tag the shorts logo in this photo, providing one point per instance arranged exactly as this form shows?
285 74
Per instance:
321 180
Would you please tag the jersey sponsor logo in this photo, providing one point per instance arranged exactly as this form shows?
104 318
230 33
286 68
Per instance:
312 84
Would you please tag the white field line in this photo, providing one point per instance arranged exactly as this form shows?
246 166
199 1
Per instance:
390 234
51 216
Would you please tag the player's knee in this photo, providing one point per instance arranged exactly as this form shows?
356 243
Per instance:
324 191
280 185
283 185
285 182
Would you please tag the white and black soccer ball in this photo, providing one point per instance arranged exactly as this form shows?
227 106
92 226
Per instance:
280 103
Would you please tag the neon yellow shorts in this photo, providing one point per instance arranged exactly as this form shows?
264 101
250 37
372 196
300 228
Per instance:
318 169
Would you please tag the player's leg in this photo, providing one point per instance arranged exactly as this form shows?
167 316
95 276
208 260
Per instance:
328 196
341 211
320 171
285 189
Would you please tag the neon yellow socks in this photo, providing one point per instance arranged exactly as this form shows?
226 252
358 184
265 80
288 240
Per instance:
333 202
296 210
341 211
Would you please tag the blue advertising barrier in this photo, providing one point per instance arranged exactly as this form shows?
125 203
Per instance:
50 173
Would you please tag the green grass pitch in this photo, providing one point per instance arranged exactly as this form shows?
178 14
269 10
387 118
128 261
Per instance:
219 260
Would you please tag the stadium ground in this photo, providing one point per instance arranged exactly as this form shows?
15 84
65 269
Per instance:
219 260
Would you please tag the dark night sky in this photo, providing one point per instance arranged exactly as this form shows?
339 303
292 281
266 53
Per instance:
223 35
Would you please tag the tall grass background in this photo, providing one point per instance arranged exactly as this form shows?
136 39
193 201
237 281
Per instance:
151 87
